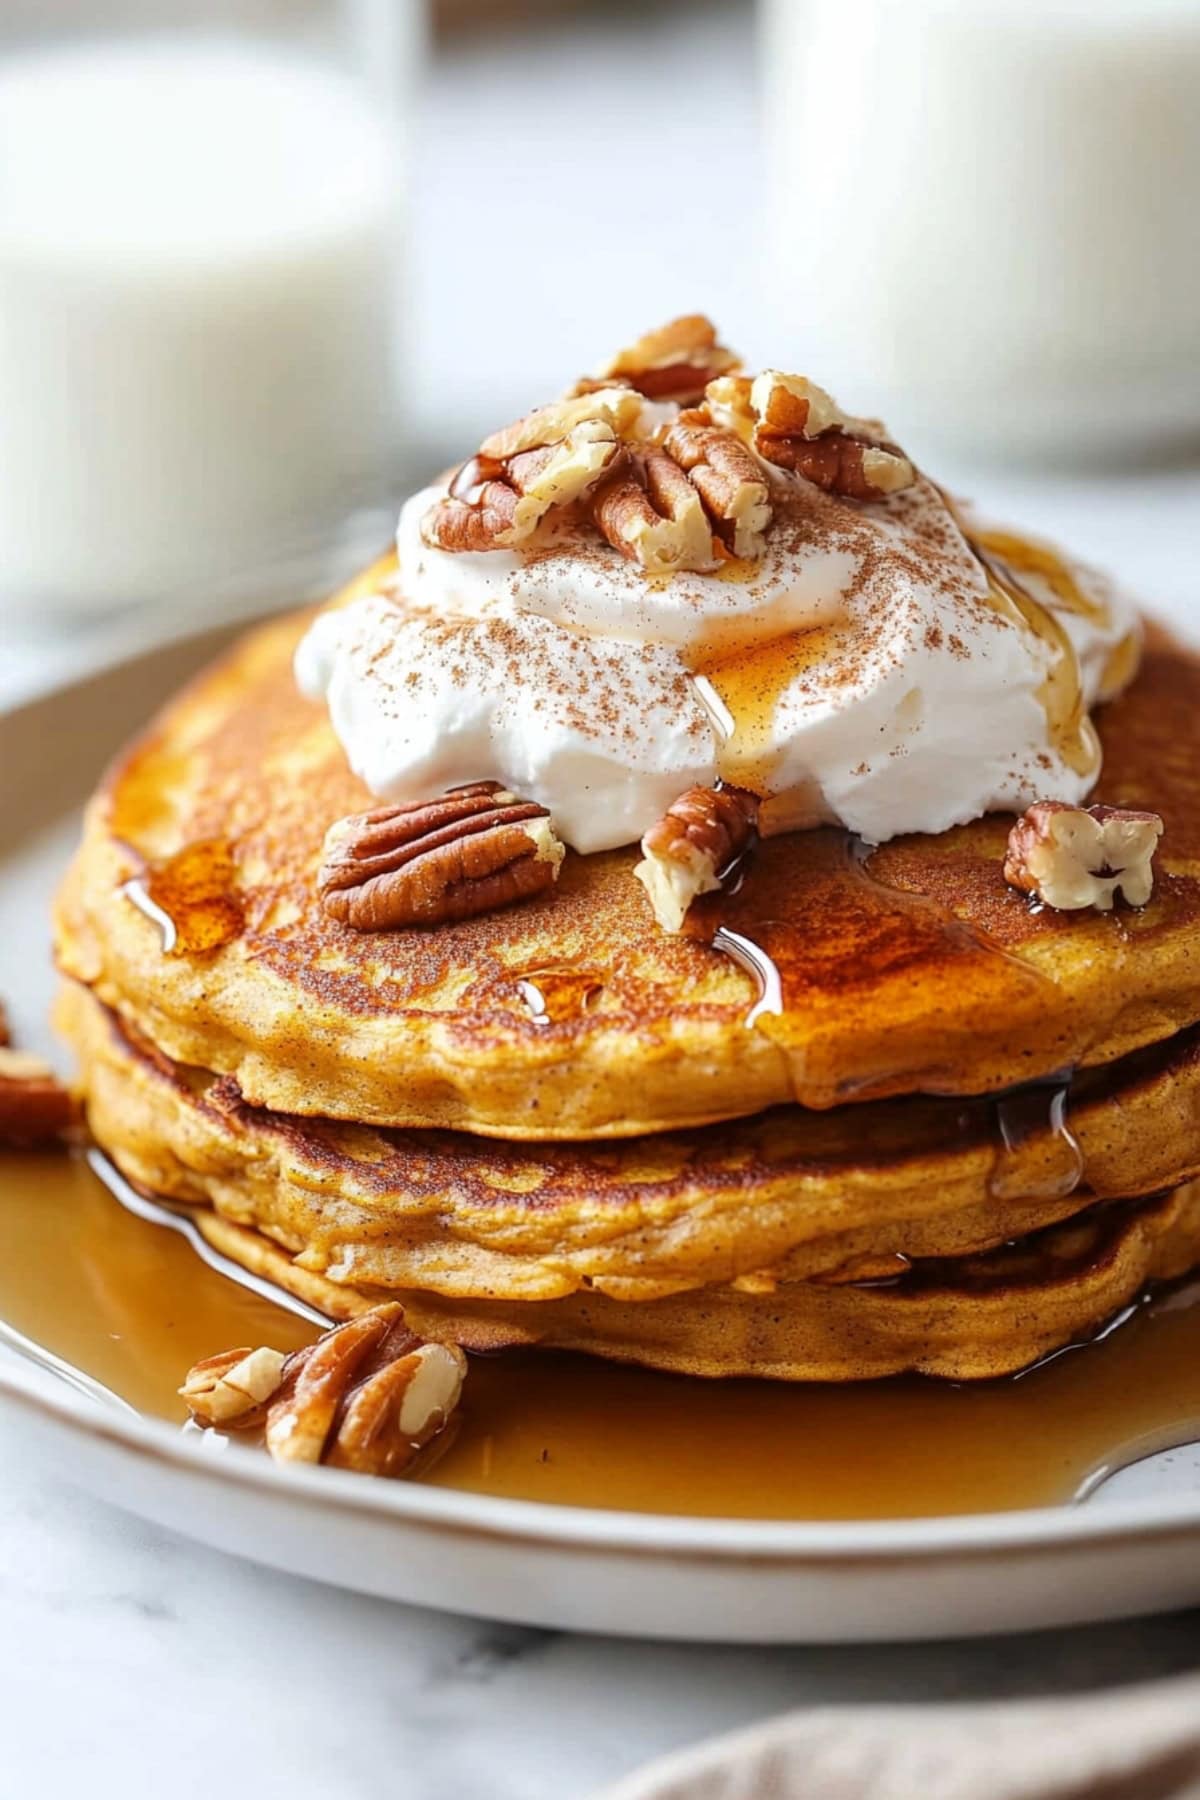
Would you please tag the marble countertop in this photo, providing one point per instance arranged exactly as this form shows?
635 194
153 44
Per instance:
130 1658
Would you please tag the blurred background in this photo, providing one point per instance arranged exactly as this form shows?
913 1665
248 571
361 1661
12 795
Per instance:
266 263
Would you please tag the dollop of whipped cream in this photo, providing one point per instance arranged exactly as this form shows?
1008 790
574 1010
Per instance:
869 671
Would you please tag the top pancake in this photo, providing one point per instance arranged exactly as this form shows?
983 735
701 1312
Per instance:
914 970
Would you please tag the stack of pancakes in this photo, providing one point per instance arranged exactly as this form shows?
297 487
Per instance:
871 1113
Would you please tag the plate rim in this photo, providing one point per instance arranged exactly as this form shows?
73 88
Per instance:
871 1543
598 1529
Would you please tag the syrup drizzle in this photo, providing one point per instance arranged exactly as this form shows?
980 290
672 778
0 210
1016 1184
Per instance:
741 689
192 897
554 996
759 965
880 925
136 892
1038 1155
1004 559
741 686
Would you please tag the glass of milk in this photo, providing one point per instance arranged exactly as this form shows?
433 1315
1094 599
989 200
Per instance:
983 216
198 248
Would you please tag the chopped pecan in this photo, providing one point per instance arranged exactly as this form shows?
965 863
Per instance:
727 477
367 1395
475 849
674 363
547 459
614 405
792 406
35 1107
651 513
727 403
799 427
694 849
1075 856
233 1387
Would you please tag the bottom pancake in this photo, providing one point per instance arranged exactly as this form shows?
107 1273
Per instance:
870 1303
959 1319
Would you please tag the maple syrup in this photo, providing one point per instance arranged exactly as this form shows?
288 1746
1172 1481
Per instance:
1026 558
869 929
1005 558
1039 1156
192 897
554 996
131 1305
741 689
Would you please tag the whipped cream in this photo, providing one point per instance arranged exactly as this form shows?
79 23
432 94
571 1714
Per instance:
867 671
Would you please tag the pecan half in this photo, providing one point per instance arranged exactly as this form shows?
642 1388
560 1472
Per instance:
545 460
1073 856
674 363
652 514
798 426
727 477
367 1395
475 849
35 1107
694 848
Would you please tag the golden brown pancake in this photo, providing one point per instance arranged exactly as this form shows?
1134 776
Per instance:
800 1245
915 968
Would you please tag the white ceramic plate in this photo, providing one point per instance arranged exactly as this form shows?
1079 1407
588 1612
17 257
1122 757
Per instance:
1135 1548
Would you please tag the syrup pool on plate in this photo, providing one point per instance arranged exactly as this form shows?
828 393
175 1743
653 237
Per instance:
132 1305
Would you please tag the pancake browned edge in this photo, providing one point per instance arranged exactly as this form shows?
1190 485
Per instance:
780 1247
916 970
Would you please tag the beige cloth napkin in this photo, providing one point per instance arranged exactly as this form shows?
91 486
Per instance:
1140 1743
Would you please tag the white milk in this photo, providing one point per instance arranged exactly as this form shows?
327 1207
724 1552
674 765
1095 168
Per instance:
195 312
985 214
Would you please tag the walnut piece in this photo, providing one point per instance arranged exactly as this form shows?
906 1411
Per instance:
674 363
473 850
35 1107
694 849
367 1395
1073 856
652 514
798 426
545 460
728 479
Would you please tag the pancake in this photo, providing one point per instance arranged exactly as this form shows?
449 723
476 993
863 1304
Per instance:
913 969
798 1245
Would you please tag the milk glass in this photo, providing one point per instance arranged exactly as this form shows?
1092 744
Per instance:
984 215
199 207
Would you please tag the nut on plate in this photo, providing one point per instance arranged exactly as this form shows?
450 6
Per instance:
366 1396
1070 857
695 848
551 457
675 362
233 1387
473 850
35 1107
